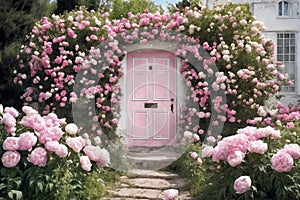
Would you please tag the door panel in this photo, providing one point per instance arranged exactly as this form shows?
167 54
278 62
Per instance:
151 85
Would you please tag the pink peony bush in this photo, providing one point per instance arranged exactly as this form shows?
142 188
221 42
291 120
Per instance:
40 138
255 163
45 155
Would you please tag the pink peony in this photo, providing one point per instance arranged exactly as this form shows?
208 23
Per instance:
76 143
9 120
242 184
53 133
188 134
235 158
62 151
207 151
71 128
11 144
194 155
85 163
98 155
293 150
52 146
27 140
11 158
29 110
12 111
169 194
258 146
38 157
282 161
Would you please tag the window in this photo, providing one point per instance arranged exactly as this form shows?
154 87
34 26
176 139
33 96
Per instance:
286 53
283 8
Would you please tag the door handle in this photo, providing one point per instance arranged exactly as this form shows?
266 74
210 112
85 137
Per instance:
172 105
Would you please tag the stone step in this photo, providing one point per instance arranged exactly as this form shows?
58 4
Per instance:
152 174
155 183
136 193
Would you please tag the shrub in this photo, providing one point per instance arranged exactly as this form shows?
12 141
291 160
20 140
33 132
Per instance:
45 155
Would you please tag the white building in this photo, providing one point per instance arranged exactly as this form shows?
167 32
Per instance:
282 19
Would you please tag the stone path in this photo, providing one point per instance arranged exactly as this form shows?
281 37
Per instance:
148 184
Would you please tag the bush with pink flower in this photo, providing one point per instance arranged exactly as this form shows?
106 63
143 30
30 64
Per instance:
60 47
254 163
34 148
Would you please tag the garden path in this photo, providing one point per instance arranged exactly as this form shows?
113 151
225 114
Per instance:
148 184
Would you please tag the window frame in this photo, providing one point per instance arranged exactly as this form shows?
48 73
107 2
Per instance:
283 11
288 54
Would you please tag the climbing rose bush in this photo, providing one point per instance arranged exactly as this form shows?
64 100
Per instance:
34 147
60 46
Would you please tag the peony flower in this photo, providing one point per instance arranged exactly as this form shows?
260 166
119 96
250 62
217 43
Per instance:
194 155
10 158
242 184
38 157
169 194
52 146
98 155
12 111
62 151
85 163
207 151
76 143
293 150
235 158
11 144
188 134
27 140
71 128
282 161
258 147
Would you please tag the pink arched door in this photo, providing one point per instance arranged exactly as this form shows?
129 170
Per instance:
151 98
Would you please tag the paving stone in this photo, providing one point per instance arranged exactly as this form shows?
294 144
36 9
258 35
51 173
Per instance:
152 183
137 193
153 174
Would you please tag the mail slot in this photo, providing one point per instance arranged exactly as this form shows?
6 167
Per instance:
150 105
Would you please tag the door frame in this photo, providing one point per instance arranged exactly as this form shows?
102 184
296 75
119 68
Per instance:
122 125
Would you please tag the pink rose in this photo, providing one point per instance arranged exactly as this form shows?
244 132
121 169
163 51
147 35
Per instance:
38 157
62 151
11 144
293 150
76 143
242 184
85 163
71 128
282 161
258 146
11 158
169 194
235 158
27 140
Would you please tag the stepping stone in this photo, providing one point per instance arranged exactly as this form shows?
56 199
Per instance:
153 174
150 183
136 193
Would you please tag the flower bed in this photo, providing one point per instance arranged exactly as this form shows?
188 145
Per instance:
40 154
